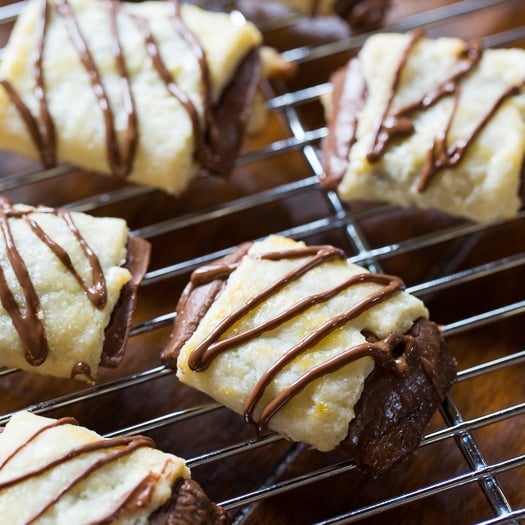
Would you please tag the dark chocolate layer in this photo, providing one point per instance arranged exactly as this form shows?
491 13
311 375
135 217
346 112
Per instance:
231 114
189 505
117 331
393 410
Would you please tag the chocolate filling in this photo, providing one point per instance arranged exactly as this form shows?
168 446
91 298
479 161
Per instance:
189 505
348 97
393 410
231 114
117 330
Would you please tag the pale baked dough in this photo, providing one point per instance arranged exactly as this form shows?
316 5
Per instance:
74 326
165 155
321 413
29 442
485 185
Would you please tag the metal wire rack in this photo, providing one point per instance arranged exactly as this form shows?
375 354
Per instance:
469 466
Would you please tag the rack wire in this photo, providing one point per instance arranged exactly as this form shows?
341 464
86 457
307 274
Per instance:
443 258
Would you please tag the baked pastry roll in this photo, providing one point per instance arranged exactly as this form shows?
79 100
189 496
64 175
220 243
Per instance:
360 14
154 91
68 285
55 471
431 123
291 337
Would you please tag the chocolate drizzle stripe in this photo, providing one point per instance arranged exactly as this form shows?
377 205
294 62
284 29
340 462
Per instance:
48 135
380 136
382 351
441 156
138 498
131 136
198 52
78 40
129 444
82 369
29 120
29 322
173 88
97 293
57 422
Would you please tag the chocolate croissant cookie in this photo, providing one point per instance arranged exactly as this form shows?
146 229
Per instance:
432 123
155 91
360 14
68 284
55 471
302 342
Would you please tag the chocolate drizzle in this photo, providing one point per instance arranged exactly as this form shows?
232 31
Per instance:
28 318
82 369
389 353
399 124
117 447
120 160
173 88
116 163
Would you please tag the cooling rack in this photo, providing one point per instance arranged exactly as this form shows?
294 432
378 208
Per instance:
469 467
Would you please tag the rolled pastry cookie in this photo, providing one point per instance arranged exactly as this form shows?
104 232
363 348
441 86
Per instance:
432 123
287 335
68 284
55 471
154 91
360 14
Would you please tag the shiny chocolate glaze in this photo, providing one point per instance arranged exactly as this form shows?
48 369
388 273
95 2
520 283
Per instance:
347 100
120 160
